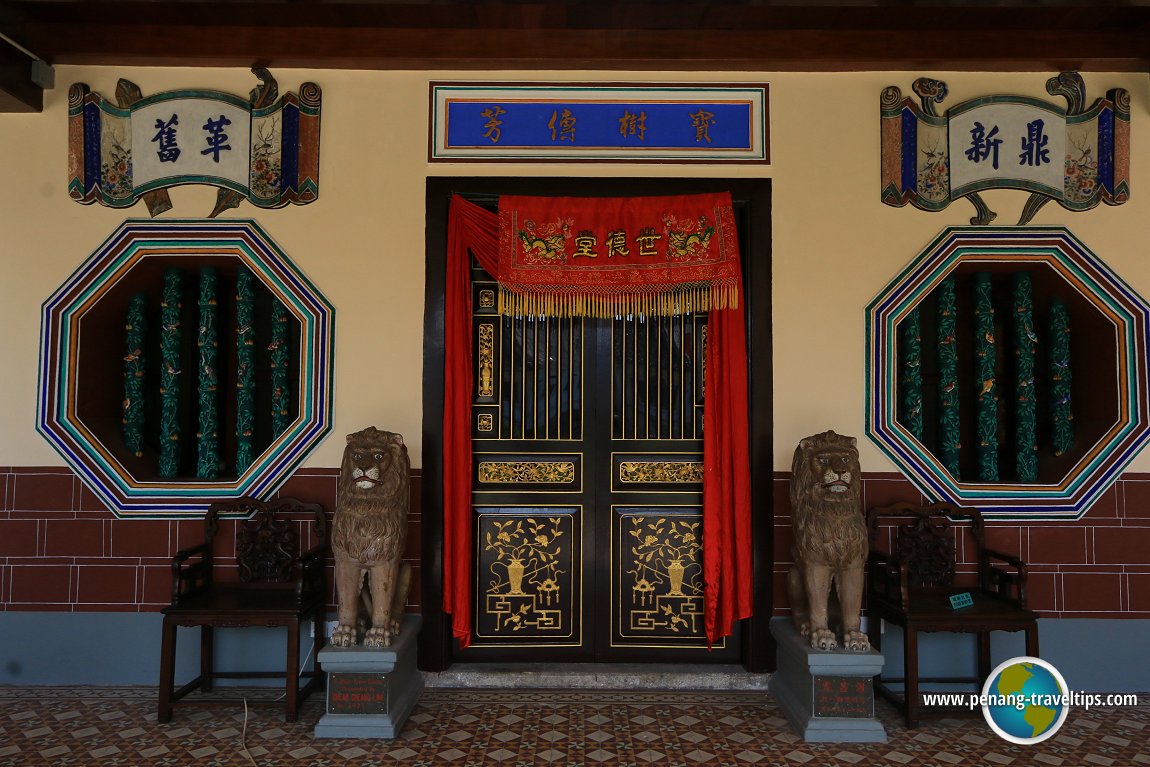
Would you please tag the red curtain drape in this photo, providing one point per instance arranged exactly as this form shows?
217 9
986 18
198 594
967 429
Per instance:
728 584
470 228
727 559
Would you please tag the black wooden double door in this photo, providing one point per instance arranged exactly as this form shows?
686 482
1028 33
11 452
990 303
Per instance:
587 487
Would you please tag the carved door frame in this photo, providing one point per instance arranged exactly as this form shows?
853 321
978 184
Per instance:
751 198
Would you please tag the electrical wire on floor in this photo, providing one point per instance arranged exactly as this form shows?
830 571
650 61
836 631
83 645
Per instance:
302 667
244 731
244 737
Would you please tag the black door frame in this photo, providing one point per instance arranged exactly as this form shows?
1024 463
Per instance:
752 202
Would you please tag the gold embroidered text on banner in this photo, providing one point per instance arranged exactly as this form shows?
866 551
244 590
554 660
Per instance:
603 257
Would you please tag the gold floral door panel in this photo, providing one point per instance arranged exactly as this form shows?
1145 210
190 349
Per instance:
657 580
528 576
587 487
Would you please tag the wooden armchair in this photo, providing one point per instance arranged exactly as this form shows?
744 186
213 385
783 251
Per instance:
911 587
276 586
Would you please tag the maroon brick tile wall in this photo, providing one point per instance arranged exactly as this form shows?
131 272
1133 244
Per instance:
1096 567
61 550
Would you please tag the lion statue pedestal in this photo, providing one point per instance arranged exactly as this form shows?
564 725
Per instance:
371 691
827 694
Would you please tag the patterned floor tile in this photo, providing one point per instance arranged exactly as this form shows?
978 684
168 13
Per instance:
100 753
501 755
551 755
700 756
450 754
116 726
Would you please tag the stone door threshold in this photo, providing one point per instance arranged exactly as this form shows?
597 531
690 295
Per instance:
597 676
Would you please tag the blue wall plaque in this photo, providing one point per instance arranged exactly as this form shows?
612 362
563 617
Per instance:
593 122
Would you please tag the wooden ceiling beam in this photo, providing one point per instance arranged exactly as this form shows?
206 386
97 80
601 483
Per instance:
18 92
735 35
792 50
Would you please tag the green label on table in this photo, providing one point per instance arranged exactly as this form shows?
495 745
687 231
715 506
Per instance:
959 601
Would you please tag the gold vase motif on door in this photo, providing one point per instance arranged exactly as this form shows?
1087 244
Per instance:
515 576
675 572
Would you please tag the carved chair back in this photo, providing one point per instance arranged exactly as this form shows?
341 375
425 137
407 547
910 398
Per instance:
924 539
267 541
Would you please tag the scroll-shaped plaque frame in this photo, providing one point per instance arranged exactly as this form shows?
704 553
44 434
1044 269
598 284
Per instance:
1078 156
264 149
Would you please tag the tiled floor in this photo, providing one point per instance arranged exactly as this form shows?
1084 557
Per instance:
116 726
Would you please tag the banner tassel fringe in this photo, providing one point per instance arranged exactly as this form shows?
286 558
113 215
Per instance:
686 300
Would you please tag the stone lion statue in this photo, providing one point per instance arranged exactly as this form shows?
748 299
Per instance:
830 541
368 536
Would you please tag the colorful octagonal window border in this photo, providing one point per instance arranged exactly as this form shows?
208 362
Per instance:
1085 273
132 242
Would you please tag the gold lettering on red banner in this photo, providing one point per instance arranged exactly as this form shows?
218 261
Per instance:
571 256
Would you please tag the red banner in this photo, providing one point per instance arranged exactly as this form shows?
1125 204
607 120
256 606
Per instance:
564 256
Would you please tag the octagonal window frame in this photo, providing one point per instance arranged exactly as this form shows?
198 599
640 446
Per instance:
128 496
1100 464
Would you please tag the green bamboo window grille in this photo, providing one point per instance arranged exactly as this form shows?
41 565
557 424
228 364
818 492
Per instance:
993 400
191 405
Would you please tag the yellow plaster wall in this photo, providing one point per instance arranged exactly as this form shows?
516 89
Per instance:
834 244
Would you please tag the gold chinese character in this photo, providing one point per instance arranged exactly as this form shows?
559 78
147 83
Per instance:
585 243
617 243
493 122
562 126
702 122
646 241
632 125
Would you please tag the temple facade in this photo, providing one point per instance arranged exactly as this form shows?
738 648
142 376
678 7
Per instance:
817 244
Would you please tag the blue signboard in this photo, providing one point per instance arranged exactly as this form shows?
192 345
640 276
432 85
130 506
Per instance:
666 123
